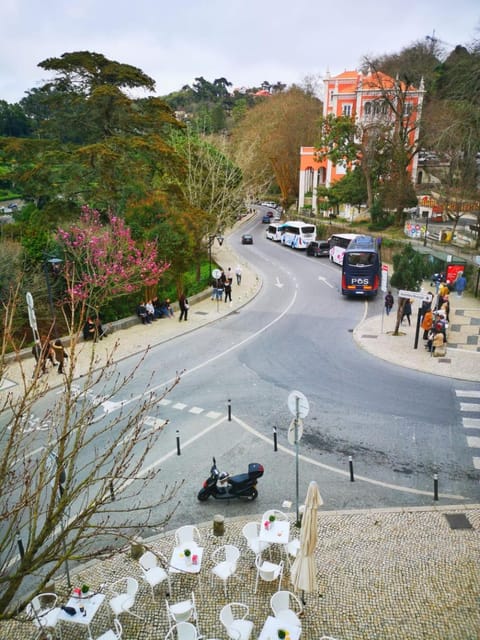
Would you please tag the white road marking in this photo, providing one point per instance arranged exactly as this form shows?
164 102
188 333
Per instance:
325 281
471 423
476 463
156 423
473 441
469 406
214 414
164 402
467 394
179 405
278 283
196 410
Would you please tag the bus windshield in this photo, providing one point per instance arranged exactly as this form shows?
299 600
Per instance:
360 258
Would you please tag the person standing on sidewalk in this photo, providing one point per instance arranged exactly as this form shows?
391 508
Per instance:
184 306
60 354
238 273
460 284
388 302
228 291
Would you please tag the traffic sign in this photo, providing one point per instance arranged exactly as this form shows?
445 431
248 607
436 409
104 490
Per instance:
384 282
416 295
291 431
298 409
216 273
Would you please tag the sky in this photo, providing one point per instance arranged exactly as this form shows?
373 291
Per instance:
244 41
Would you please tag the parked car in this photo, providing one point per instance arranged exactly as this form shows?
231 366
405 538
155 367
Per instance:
318 248
247 238
266 219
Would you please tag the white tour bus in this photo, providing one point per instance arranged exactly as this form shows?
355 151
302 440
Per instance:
338 243
297 234
274 232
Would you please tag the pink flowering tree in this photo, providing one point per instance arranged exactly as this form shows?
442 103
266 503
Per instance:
103 261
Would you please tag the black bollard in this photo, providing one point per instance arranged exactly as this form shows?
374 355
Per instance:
112 492
435 486
350 464
178 442
229 410
275 448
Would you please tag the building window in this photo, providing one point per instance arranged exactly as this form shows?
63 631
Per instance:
367 108
347 110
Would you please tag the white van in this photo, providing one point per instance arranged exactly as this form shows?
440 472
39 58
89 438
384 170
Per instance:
273 232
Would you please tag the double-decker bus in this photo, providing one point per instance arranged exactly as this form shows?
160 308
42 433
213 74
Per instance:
274 232
297 234
338 244
361 268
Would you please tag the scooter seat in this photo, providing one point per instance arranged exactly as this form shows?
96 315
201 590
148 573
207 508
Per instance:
242 477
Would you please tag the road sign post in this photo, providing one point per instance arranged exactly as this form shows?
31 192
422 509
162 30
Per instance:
299 408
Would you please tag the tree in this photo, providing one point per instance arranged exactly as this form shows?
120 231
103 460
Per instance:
94 143
408 273
102 261
68 491
266 142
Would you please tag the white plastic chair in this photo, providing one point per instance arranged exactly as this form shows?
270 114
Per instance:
182 611
226 559
187 533
182 631
152 572
123 601
113 634
251 531
286 606
233 617
268 571
292 549
279 515
44 612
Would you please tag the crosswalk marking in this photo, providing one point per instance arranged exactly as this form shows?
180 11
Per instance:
473 441
469 406
467 394
179 405
214 414
476 463
196 410
150 421
164 402
471 423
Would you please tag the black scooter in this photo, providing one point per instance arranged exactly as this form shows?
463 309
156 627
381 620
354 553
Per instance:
222 486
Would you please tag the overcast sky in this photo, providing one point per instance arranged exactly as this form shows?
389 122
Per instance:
245 41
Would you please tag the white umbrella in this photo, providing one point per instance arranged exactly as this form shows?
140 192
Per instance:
303 574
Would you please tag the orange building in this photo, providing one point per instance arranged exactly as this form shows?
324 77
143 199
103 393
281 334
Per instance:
365 98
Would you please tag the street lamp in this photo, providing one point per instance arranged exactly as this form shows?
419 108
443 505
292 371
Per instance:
55 266
211 240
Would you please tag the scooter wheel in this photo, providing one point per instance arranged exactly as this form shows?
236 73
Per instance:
253 495
203 495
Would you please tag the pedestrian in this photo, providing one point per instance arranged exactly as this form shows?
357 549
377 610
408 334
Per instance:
89 329
229 275
60 354
460 284
219 289
388 302
407 310
228 291
427 322
238 273
184 306
142 313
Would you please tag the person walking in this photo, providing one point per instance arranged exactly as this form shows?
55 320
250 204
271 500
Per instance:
228 291
238 273
407 311
427 322
60 354
460 284
184 306
388 302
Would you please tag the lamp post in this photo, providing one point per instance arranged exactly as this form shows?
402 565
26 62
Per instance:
54 263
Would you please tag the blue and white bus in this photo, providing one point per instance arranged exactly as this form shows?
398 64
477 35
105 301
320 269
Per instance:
297 234
361 267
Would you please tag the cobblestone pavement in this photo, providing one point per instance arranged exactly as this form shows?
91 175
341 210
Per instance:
386 574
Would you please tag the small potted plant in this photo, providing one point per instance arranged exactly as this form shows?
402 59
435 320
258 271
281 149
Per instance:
282 634
85 590
188 556
271 519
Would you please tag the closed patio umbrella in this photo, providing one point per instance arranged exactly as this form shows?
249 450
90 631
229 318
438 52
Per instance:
303 574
